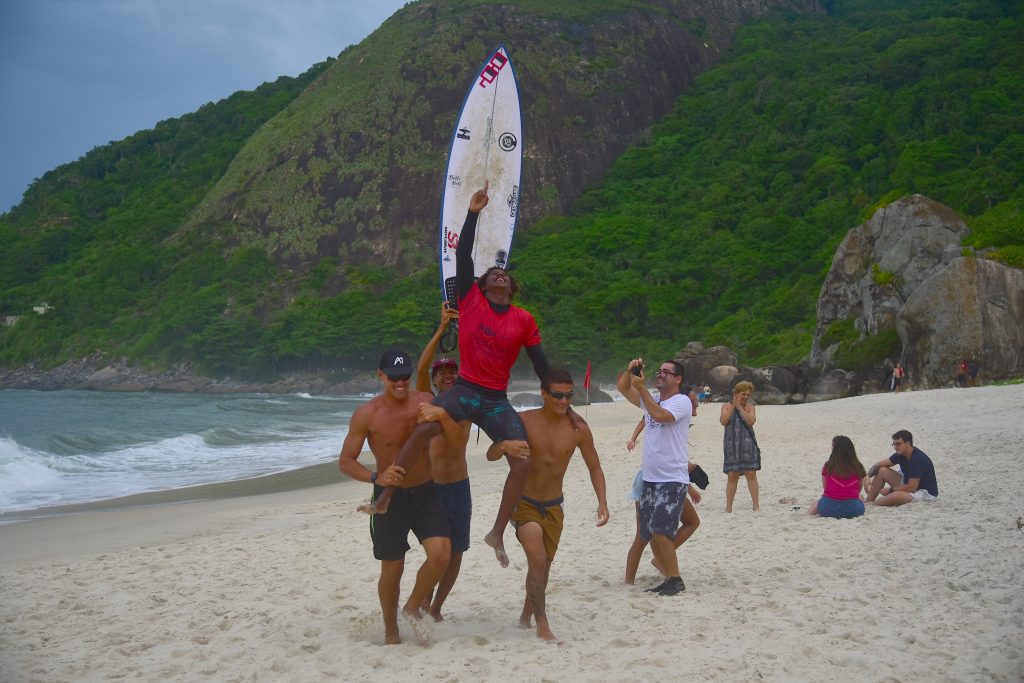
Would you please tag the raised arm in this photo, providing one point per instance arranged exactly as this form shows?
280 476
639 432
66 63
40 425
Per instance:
624 383
423 365
464 275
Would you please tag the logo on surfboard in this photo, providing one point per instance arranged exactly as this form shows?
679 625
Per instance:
492 69
463 134
507 142
513 201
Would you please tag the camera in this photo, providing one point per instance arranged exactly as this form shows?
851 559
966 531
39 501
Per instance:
637 369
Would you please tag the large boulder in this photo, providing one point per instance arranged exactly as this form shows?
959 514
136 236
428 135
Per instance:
904 272
698 361
776 384
720 379
833 384
881 263
973 309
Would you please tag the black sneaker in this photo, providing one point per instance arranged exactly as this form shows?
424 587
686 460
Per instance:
673 586
656 589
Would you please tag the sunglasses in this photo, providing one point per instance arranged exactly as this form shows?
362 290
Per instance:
400 378
896 444
559 395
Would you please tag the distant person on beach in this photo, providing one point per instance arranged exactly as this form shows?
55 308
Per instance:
972 373
666 475
706 398
386 421
961 373
689 520
842 479
914 482
447 462
538 519
491 332
741 452
898 373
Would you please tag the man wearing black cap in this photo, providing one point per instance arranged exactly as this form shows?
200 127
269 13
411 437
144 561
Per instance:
386 421
447 461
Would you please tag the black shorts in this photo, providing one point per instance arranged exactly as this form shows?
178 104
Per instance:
417 509
488 409
458 505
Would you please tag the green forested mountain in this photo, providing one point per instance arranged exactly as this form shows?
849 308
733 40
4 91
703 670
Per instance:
718 226
722 227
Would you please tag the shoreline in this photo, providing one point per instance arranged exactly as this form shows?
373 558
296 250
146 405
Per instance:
310 476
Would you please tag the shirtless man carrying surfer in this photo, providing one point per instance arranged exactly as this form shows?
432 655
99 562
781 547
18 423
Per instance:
386 421
553 437
447 461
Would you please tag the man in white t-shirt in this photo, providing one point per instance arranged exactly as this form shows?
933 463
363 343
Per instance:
665 472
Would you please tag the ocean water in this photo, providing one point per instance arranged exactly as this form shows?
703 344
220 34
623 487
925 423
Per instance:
64 447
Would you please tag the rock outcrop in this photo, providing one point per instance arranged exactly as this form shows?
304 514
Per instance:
905 270
973 309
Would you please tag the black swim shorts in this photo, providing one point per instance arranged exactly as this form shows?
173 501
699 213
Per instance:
488 409
417 509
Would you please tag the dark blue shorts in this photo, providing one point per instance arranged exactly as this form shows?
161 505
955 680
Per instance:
417 509
458 506
488 409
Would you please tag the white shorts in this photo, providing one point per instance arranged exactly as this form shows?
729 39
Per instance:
922 495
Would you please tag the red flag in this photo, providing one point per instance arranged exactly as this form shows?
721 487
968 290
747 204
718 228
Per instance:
586 379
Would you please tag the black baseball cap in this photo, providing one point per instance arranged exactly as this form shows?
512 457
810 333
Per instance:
396 364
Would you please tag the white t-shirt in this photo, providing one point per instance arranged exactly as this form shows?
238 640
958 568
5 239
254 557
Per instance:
665 444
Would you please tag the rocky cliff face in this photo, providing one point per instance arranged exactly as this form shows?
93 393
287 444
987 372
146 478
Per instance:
971 309
352 169
905 270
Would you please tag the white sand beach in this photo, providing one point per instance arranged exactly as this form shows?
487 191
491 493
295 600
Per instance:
282 586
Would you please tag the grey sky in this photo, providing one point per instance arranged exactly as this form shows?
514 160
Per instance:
76 74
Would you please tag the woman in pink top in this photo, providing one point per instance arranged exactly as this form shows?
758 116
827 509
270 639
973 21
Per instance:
842 478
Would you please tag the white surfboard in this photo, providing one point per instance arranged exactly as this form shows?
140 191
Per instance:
487 144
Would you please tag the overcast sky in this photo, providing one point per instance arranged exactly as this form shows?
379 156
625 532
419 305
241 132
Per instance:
76 74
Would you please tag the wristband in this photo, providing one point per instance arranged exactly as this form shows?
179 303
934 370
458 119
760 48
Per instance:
373 477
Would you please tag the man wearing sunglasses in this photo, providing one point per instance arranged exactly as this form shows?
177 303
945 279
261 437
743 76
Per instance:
553 437
665 463
915 482
386 421
492 331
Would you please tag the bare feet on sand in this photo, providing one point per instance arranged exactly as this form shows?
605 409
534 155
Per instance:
543 630
496 542
545 634
419 625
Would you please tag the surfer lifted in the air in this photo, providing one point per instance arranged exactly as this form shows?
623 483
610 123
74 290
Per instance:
491 332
